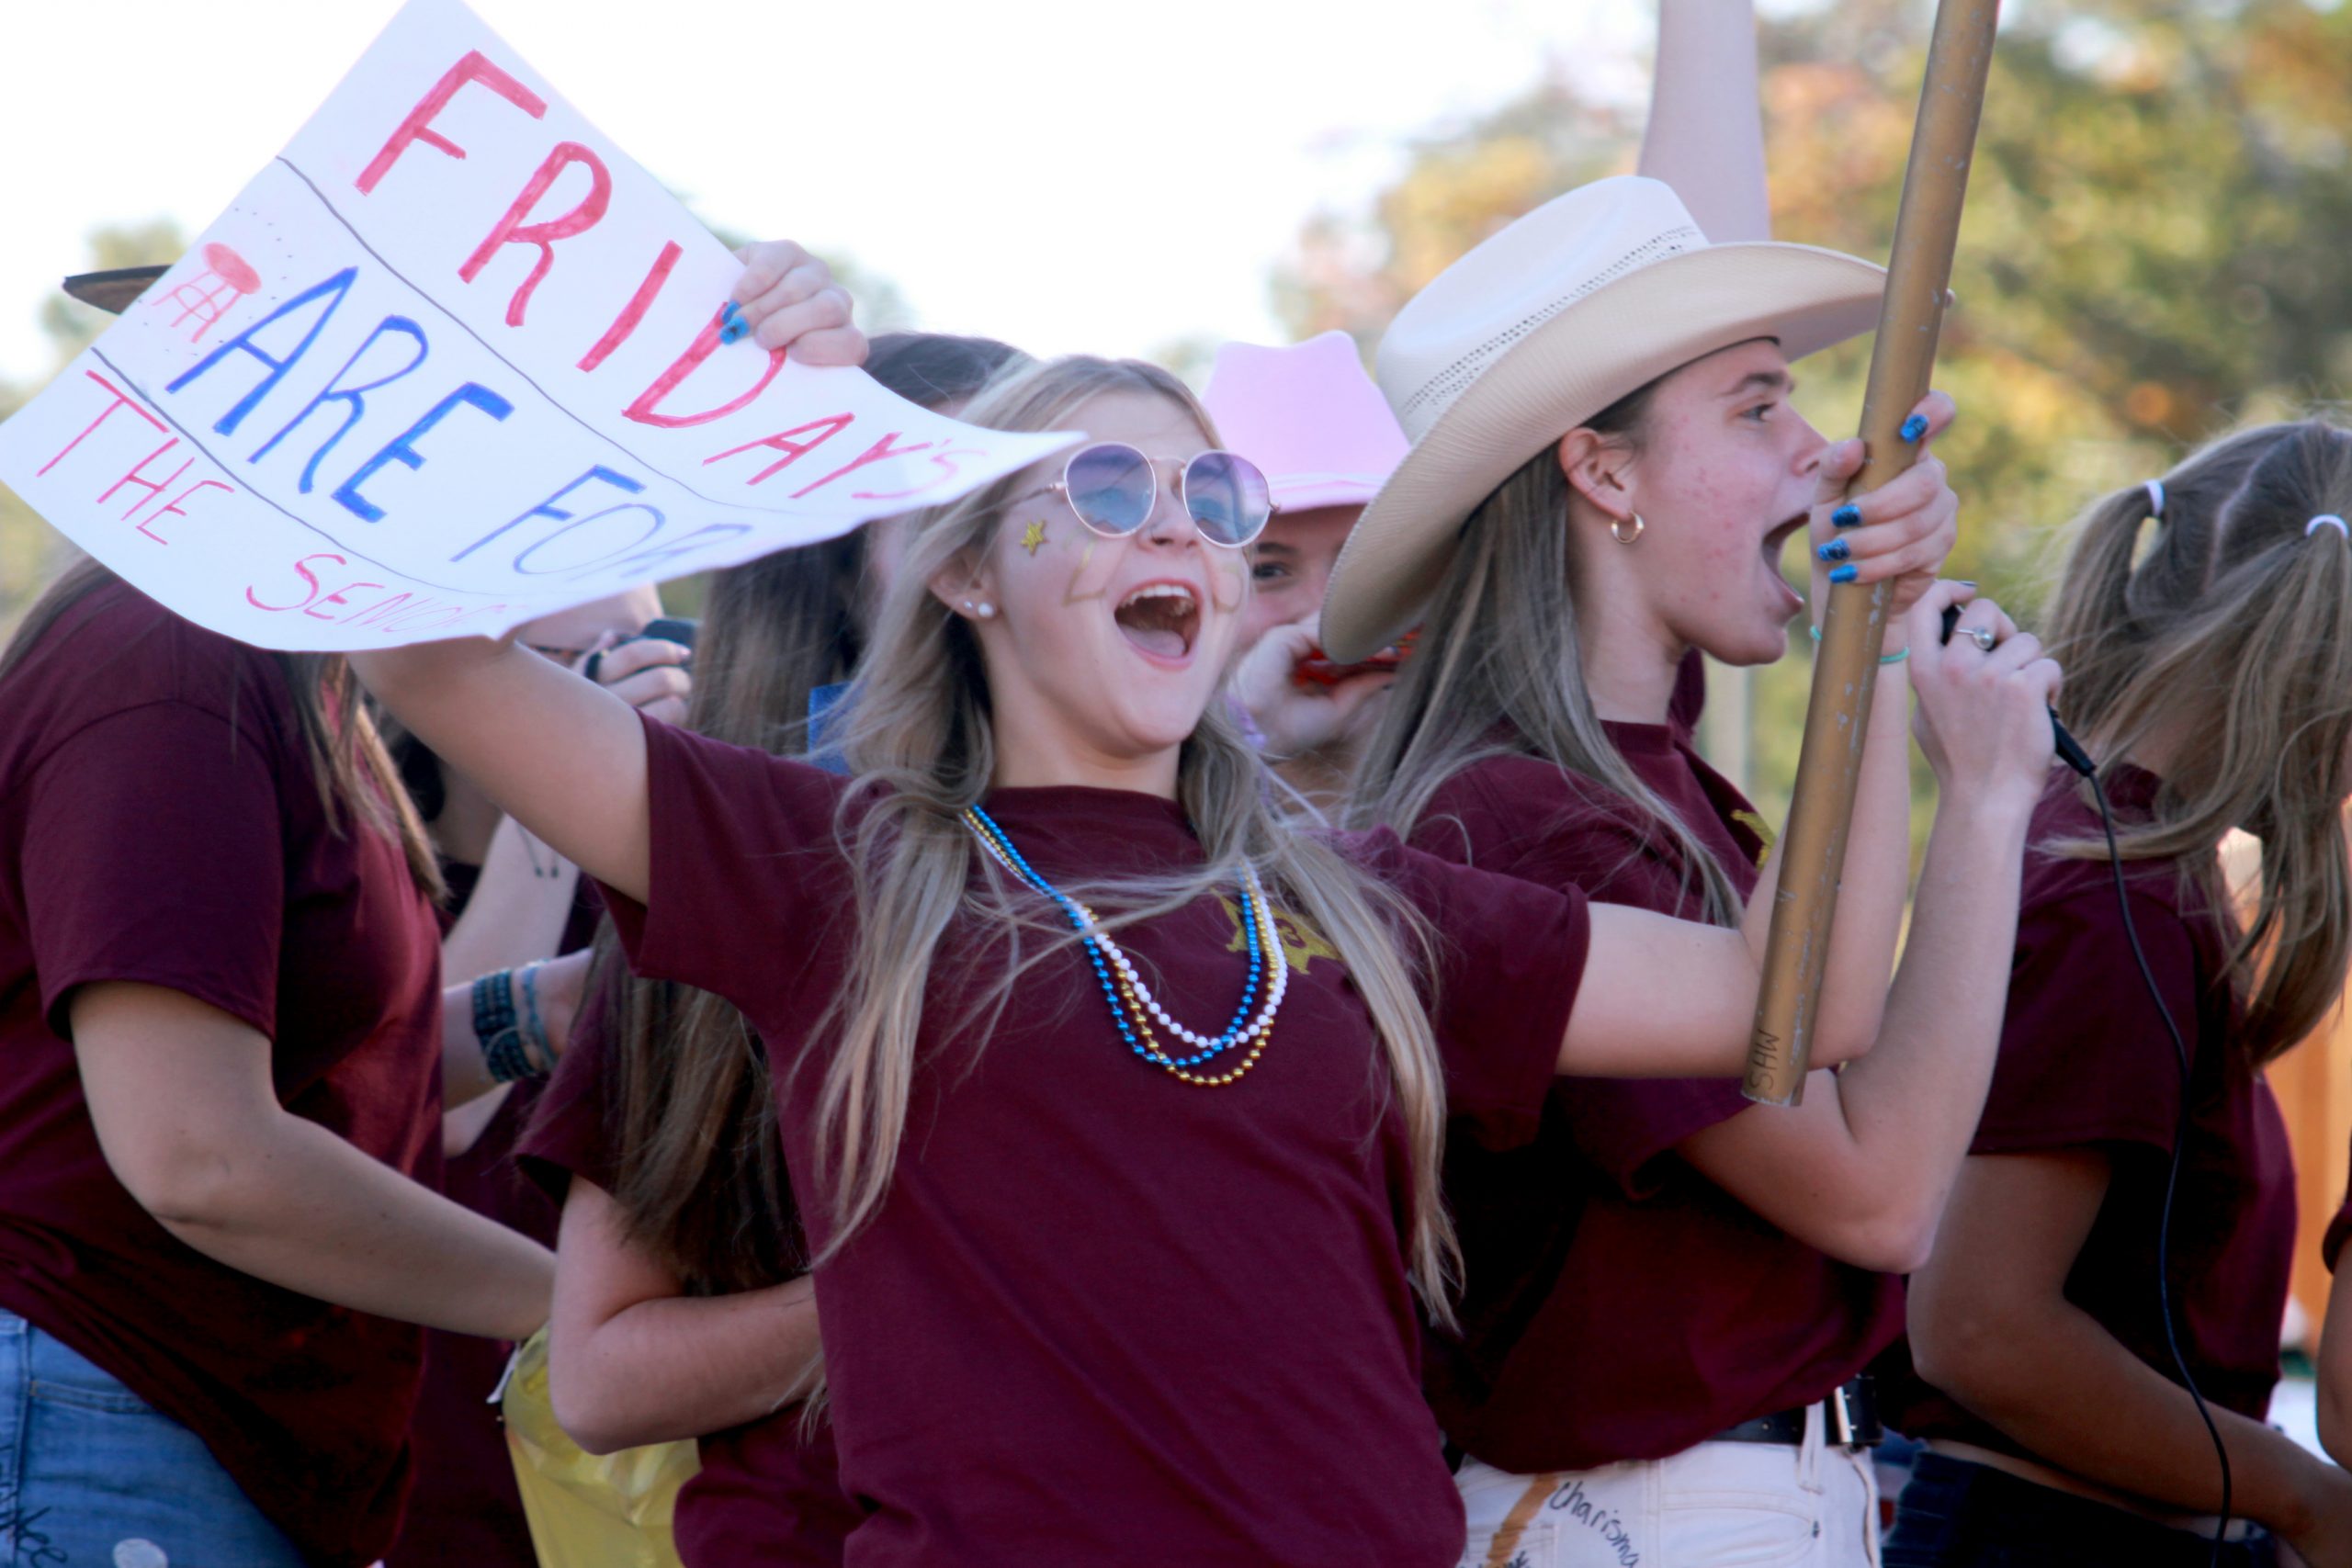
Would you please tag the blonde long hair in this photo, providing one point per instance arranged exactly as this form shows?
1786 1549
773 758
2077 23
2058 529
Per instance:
919 740
2231 636
699 1179
1498 670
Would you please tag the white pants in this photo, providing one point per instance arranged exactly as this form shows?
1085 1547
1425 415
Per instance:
1715 1506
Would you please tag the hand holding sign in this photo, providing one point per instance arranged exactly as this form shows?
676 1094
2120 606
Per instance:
452 362
789 300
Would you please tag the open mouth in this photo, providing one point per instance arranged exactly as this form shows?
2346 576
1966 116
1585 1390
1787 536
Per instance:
1160 619
1775 541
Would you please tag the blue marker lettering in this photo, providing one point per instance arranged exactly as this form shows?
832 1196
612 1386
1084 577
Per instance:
650 529
347 395
337 287
549 508
402 448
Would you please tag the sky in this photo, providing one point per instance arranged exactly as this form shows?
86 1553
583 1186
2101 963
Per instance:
1068 174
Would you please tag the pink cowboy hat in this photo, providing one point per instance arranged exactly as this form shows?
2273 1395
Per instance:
1307 415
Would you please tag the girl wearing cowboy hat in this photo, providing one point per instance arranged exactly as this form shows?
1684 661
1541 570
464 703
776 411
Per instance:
1096 1288
1670 1292
2209 674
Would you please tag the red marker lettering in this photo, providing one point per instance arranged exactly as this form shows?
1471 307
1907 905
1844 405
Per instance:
512 230
634 311
645 410
171 509
945 461
122 399
381 608
138 478
418 125
874 453
336 598
782 441
303 571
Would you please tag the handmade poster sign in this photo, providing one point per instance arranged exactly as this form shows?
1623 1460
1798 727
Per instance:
453 361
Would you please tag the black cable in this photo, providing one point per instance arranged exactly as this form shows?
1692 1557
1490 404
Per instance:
2071 752
2172 1166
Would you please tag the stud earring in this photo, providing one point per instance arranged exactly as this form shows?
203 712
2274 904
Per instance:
1617 524
986 611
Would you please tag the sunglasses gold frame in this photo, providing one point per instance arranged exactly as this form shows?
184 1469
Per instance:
1153 465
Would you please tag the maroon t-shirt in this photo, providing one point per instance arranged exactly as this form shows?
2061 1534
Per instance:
2086 1063
1105 1316
1619 1304
159 824
768 1496
465 1506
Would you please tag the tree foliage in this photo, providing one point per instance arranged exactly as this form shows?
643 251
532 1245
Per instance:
2153 250
32 552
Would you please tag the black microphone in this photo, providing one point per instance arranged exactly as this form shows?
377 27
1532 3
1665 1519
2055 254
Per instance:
2070 750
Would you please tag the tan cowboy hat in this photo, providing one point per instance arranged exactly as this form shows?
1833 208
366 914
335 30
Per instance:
1537 329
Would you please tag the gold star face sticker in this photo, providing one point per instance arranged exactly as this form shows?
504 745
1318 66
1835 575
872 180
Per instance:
1033 536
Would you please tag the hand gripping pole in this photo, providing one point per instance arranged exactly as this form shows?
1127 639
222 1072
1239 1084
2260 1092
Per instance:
1813 856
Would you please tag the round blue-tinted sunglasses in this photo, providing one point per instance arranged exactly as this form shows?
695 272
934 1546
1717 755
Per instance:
1112 487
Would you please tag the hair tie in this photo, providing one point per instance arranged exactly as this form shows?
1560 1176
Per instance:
2156 489
2327 520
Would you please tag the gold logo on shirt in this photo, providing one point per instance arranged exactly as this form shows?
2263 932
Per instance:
1765 837
1302 944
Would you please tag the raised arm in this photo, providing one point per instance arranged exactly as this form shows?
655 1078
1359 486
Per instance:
1706 127
563 758
1862 1168
1662 998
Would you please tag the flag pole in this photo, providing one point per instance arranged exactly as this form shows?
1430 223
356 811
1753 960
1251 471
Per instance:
1813 855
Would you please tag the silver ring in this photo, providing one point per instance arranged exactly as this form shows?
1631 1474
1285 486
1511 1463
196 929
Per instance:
1983 636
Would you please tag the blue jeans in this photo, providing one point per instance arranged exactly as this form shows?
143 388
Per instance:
1958 1514
91 1476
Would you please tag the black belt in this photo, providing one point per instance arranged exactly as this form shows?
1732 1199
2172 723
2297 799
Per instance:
1850 1413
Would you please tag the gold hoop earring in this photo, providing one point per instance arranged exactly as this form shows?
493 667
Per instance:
1617 523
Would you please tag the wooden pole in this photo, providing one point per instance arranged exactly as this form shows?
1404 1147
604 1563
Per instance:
1927 227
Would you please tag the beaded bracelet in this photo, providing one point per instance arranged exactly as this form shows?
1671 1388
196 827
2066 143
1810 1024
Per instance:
493 1004
505 1053
504 1058
1897 656
534 1034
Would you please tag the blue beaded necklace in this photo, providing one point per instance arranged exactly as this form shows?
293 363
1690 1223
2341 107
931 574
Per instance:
1081 921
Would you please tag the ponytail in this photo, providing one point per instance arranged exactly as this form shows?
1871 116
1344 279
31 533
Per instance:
2229 645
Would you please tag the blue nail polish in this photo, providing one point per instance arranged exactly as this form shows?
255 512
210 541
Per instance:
1834 550
730 310
1915 427
1846 516
732 332
1843 574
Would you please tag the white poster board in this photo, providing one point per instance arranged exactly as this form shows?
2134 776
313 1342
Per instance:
453 361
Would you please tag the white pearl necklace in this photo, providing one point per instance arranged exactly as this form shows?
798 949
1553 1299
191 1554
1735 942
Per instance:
1261 914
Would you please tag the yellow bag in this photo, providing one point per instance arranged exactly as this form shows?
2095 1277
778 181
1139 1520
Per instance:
587 1510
